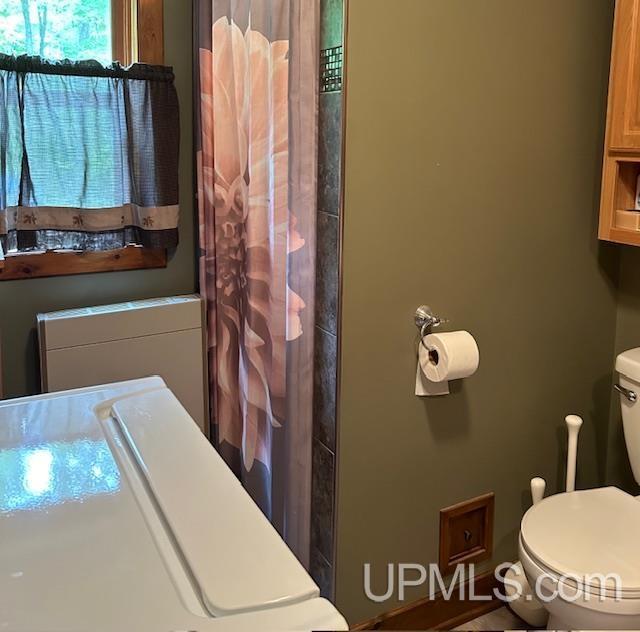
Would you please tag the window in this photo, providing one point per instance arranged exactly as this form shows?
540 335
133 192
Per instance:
105 30
57 29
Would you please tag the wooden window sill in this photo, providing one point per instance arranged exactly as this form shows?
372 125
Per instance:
64 263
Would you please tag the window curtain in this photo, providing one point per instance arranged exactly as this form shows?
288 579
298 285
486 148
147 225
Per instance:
88 155
257 166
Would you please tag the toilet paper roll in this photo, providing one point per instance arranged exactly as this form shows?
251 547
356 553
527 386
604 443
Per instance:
426 388
449 356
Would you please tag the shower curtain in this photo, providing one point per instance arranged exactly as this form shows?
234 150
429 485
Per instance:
257 162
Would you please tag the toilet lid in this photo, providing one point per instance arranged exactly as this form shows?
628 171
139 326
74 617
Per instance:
587 532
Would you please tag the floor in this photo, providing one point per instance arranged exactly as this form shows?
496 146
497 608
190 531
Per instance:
501 619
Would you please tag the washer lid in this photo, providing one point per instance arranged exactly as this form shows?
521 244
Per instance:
237 560
116 509
583 533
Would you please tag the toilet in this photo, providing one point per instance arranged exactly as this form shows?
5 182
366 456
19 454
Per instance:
581 550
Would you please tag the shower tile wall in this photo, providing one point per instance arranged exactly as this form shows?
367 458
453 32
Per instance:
326 345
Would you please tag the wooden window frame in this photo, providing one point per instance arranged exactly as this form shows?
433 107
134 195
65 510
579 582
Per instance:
138 36
138 31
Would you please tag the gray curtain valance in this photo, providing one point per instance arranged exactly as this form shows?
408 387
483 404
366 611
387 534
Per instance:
88 155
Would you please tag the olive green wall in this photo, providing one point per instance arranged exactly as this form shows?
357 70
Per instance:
627 337
20 301
473 160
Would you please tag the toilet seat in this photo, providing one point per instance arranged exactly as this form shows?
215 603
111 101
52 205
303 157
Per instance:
579 534
546 583
556 581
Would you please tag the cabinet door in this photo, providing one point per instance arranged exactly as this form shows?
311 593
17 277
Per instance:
624 106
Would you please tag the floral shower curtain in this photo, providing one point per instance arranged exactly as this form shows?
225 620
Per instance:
257 162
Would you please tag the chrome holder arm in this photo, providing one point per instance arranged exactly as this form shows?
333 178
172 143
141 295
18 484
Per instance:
425 320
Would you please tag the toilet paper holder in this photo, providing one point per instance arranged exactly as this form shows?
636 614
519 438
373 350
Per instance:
426 320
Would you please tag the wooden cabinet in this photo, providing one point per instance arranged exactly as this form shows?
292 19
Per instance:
619 218
624 104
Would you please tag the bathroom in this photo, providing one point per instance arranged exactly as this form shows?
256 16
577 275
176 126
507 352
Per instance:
459 156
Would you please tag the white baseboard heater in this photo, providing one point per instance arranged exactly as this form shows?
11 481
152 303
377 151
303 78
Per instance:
114 343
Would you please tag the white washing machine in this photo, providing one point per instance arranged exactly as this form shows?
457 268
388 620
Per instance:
116 514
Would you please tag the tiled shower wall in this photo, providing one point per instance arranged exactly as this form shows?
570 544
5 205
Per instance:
327 304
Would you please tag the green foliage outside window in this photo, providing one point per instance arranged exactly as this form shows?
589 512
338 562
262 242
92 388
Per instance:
57 29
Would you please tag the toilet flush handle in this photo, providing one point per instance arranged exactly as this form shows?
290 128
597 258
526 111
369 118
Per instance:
631 396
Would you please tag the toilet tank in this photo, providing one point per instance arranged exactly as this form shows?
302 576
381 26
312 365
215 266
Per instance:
628 367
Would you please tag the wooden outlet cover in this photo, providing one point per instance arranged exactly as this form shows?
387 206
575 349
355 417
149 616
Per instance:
466 532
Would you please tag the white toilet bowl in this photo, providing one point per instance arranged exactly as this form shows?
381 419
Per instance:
581 555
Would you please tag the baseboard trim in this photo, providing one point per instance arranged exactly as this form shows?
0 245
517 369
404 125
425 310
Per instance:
439 614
